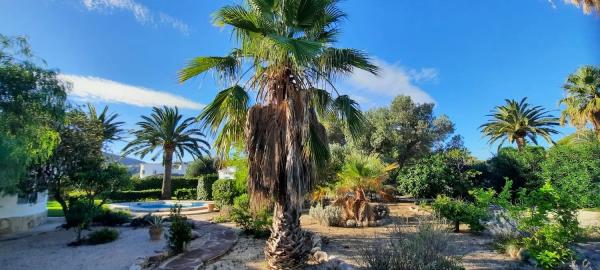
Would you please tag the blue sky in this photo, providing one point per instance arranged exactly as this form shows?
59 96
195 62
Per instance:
466 56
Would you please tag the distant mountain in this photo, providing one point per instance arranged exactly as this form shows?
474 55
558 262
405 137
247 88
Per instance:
125 161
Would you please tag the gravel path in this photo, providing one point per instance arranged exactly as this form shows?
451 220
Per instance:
49 250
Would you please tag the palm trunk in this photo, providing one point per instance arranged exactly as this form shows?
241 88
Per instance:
521 143
280 171
595 117
166 183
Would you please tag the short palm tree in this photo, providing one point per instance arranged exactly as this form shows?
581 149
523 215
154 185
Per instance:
518 121
588 5
111 129
165 131
583 98
285 54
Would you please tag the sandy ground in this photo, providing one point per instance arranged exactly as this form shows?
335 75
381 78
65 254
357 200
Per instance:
46 247
49 250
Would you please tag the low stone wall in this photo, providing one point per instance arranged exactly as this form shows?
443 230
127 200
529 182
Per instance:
21 224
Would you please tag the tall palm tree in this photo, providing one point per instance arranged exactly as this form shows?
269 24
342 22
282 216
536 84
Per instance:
583 98
165 130
285 54
518 121
588 5
111 129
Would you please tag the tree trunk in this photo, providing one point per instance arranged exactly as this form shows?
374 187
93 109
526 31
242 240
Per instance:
166 183
521 143
456 226
280 171
595 117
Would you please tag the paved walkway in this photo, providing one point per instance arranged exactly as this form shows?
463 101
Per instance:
216 240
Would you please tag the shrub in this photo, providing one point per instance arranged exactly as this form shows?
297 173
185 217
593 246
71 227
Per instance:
575 169
200 167
223 192
185 194
80 215
102 236
106 217
407 250
522 167
329 215
140 195
257 224
459 211
204 189
180 231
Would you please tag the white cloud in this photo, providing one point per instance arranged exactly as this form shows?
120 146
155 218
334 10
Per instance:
391 81
97 89
141 13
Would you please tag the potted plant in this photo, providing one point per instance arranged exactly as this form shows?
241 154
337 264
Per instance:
156 227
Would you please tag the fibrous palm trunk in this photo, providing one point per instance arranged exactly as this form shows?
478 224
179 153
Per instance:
281 171
521 143
595 117
166 183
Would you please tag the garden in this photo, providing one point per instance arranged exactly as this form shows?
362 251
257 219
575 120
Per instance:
316 183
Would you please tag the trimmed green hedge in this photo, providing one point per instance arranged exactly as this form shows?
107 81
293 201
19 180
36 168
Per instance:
155 182
185 194
205 184
223 192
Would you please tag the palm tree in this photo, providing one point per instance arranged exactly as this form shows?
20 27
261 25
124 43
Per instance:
111 129
285 54
583 98
519 121
588 5
361 174
165 130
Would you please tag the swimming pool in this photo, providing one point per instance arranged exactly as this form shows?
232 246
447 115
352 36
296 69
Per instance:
159 206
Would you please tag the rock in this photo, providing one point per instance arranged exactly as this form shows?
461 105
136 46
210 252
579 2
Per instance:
500 224
195 235
320 256
351 223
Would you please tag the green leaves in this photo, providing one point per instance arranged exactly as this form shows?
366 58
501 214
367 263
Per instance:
228 112
334 60
225 66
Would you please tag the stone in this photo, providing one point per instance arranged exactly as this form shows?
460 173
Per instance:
500 224
195 235
320 256
351 223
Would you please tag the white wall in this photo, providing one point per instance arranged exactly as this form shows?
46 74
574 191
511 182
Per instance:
10 208
148 169
227 173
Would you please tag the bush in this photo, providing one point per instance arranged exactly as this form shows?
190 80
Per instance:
180 231
185 194
407 250
459 211
106 217
204 189
199 167
522 167
327 216
257 224
102 236
155 182
80 215
223 192
575 169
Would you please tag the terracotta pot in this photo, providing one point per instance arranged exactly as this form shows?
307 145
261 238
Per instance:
155 233
210 207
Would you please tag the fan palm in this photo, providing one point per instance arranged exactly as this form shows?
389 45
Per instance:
588 5
111 129
165 132
284 53
583 98
518 121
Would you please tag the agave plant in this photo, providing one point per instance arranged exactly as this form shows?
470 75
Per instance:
518 121
285 54
583 98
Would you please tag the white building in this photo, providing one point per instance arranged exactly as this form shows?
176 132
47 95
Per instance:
148 169
227 173
21 213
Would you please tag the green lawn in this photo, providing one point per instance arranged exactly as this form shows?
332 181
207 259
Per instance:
54 209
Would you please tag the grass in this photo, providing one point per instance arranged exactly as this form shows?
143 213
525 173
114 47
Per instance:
54 209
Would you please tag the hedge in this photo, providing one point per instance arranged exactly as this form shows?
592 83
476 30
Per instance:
223 192
205 184
185 194
149 194
155 182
